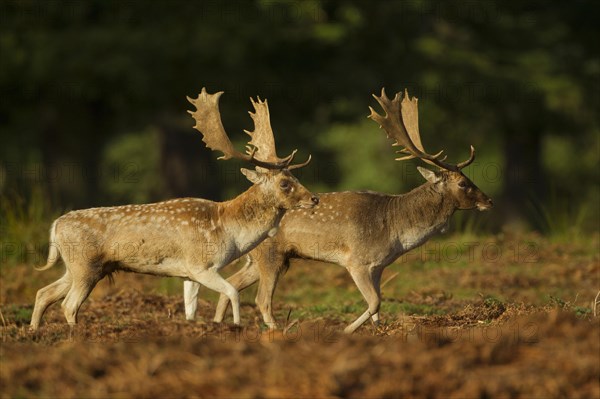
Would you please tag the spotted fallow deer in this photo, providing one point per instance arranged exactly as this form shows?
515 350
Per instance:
190 238
362 231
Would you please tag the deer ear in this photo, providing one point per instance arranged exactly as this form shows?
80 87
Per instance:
429 175
253 175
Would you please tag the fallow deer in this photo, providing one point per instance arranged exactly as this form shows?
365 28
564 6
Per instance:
190 238
362 231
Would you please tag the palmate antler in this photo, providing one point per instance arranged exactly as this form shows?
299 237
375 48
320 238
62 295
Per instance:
208 122
262 139
401 123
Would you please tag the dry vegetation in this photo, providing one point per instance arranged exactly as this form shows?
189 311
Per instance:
475 326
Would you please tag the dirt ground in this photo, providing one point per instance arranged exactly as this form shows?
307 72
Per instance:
132 341
134 344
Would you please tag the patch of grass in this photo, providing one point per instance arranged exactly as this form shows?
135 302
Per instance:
582 311
170 286
562 220
579 311
24 226
353 308
470 225
17 314
491 302
558 302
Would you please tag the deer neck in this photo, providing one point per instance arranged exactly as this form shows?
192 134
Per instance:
250 217
419 214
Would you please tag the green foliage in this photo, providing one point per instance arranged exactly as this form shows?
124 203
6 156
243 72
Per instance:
493 303
562 219
352 143
583 312
17 314
580 311
470 225
131 168
24 226
78 78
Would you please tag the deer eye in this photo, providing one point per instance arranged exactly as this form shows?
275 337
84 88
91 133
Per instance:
462 184
284 184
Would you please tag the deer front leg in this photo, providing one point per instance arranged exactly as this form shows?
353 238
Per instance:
211 279
241 280
190 298
364 278
270 264
264 297
376 275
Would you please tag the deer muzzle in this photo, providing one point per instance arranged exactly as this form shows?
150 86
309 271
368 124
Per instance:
314 201
485 205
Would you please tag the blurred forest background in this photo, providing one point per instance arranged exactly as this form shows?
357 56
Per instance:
93 98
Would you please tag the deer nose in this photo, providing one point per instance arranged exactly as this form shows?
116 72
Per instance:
315 199
490 202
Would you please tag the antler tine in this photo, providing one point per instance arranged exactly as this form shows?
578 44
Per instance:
299 165
401 123
262 137
208 122
466 163
410 118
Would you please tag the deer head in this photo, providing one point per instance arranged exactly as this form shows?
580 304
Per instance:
272 174
401 123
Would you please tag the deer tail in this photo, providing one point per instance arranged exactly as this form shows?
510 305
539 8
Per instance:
54 253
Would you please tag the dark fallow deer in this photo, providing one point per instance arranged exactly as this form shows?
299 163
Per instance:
190 238
362 231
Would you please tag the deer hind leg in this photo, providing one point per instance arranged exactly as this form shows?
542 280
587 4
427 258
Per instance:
241 280
211 279
84 281
363 278
190 298
47 296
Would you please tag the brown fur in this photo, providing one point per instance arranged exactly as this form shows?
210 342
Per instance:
190 238
362 231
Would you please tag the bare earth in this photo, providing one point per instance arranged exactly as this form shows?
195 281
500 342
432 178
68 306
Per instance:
132 341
